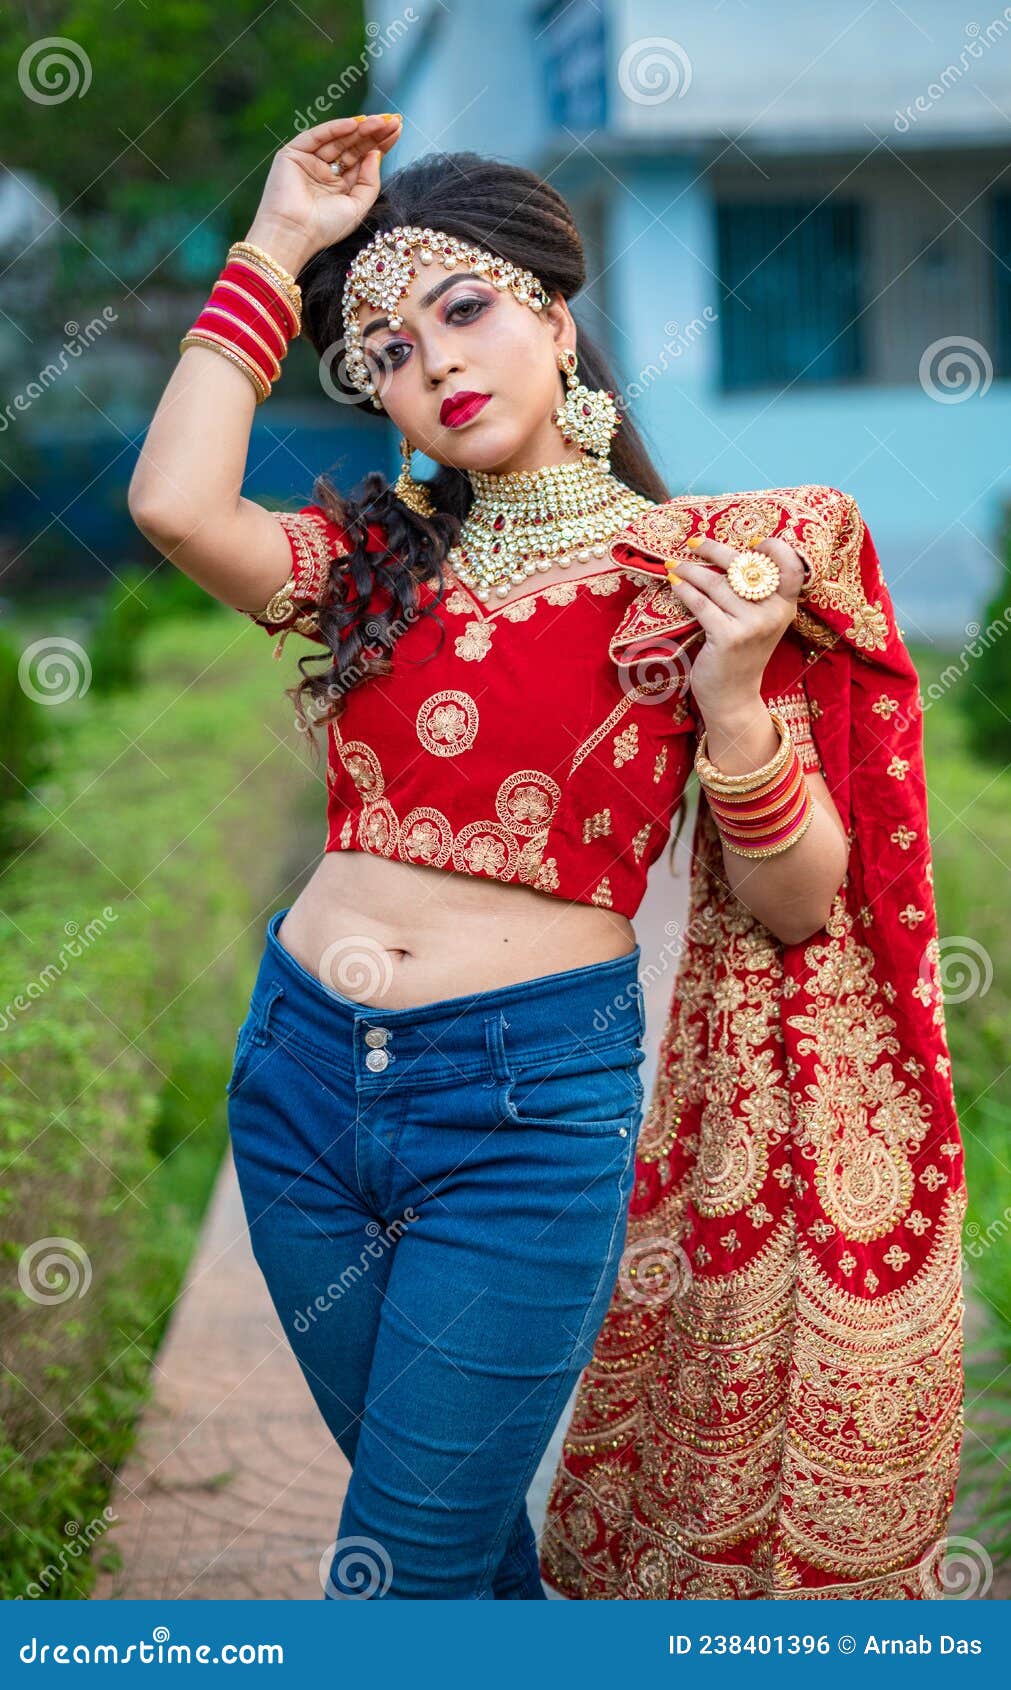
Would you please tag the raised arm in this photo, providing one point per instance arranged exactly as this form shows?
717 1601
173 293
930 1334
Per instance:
185 493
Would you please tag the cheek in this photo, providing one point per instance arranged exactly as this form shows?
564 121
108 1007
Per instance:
522 360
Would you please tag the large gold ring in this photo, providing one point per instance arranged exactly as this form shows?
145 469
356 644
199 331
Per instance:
753 575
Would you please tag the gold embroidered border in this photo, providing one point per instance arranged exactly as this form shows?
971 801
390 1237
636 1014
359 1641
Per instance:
823 522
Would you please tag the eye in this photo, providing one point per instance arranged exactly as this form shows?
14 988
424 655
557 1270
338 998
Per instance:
474 306
388 359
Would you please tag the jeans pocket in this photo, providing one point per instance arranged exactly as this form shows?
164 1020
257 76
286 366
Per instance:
582 1091
247 1043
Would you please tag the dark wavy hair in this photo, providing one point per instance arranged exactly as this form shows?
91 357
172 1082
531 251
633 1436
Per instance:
518 216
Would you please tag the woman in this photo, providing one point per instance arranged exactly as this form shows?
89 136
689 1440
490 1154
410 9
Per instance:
435 1094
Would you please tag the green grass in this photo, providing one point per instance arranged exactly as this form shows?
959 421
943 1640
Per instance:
170 825
970 829
185 807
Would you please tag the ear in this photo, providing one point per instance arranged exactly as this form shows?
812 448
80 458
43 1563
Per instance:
561 321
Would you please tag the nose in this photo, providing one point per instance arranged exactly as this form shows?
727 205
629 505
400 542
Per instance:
439 362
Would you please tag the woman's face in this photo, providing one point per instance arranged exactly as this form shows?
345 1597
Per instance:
460 334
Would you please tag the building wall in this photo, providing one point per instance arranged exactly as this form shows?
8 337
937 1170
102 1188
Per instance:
646 116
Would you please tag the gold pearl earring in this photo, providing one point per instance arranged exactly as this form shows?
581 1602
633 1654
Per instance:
413 494
589 416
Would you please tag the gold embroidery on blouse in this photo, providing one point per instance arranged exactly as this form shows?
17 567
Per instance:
485 847
602 894
315 546
425 836
641 691
475 643
447 722
640 840
626 744
523 606
598 826
363 765
527 801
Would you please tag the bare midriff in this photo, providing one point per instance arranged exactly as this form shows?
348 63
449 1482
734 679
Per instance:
397 935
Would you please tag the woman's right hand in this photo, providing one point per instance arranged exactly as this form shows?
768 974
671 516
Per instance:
305 206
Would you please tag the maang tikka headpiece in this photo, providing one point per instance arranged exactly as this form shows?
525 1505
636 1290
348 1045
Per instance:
383 271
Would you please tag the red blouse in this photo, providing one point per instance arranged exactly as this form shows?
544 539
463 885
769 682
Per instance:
529 745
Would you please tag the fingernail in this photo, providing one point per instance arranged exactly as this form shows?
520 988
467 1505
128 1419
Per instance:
674 578
696 540
358 117
756 540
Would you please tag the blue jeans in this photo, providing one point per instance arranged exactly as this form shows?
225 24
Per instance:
437 1199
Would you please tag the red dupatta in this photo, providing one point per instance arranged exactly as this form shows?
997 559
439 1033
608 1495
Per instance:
773 1405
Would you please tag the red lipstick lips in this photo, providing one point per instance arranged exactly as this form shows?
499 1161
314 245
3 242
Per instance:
460 407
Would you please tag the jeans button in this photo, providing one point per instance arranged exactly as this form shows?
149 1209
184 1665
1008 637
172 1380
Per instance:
376 1060
377 1036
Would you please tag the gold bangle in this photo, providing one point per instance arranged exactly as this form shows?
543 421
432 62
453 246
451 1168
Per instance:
743 803
248 250
206 337
784 844
719 781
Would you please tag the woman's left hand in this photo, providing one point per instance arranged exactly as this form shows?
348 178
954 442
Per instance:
740 634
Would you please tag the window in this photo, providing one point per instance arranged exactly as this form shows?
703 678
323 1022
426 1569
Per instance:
790 291
571 35
1000 242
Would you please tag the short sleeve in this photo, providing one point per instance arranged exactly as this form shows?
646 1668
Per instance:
316 541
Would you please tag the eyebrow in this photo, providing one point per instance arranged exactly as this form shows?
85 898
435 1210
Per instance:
429 298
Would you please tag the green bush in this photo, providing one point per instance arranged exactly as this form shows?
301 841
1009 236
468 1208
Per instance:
137 601
970 829
129 939
27 752
986 701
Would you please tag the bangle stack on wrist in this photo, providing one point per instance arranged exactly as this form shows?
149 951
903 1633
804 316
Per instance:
766 810
253 313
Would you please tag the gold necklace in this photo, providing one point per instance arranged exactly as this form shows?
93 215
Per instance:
527 520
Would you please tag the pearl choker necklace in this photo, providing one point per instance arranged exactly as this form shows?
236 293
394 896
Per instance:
527 520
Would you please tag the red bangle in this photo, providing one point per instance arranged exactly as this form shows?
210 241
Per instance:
249 319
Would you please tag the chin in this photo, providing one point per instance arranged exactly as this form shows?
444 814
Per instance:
486 449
